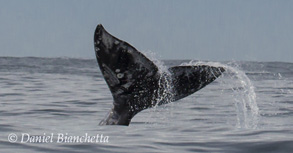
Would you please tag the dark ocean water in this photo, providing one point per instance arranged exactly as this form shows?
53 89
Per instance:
248 109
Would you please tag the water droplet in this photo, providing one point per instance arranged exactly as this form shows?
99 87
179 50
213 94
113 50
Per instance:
117 70
116 42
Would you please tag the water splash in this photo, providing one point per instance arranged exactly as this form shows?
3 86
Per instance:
242 90
243 93
164 93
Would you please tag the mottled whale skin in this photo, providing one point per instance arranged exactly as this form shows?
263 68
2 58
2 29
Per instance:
134 80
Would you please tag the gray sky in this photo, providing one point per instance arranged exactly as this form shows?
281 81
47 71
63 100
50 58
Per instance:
254 30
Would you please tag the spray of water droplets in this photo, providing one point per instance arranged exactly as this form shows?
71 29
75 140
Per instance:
164 93
242 92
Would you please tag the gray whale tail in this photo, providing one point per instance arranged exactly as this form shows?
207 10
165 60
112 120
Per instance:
133 79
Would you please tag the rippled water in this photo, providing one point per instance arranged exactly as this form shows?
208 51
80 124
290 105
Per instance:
248 109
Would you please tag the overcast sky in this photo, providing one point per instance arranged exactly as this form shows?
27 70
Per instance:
253 30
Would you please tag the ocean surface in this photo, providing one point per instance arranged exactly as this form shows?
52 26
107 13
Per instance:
56 104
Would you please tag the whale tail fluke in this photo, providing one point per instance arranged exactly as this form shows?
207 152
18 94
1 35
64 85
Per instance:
186 80
134 80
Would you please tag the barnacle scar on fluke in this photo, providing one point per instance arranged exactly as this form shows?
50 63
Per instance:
135 82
